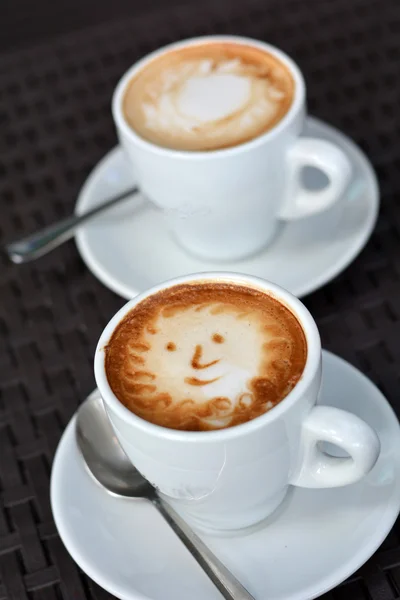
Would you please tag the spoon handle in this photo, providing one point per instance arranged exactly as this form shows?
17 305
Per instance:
224 580
43 241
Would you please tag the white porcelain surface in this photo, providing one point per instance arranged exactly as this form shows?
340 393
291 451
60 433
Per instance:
233 478
228 203
317 539
129 248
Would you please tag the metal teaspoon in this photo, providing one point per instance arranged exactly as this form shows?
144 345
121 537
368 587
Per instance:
109 464
43 241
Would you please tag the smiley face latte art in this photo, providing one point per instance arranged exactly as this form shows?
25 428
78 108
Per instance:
205 355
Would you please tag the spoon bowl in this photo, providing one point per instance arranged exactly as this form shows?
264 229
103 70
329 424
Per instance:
106 459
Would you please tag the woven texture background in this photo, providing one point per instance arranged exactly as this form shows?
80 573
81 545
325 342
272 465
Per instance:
55 125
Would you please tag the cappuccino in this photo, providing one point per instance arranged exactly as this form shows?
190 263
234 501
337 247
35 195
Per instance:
208 96
205 355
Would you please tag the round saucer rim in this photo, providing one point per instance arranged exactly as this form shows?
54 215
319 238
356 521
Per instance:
353 250
392 512
81 241
368 169
63 531
373 545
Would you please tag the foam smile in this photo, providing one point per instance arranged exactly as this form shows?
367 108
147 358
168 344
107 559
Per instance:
199 382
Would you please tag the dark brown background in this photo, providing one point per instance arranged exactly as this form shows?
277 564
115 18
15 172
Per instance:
59 63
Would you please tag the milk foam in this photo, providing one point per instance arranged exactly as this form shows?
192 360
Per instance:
207 97
201 357
232 363
213 97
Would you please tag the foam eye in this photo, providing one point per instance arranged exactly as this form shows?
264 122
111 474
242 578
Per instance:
218 338
170 347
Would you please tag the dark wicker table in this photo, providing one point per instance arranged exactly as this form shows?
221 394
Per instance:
55 89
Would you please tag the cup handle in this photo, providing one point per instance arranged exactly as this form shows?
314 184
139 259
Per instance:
309 152
317 469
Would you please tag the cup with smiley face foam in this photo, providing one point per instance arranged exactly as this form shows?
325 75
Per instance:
211 127
211 383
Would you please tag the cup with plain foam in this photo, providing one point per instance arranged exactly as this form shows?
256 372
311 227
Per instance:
233 470
211 127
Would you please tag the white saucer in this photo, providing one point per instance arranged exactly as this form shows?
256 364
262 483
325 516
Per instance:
130 250
317 539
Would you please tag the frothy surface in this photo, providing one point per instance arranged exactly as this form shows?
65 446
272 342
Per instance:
205 356
208 96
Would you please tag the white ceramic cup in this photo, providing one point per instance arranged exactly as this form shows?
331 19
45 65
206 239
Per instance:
233 478
227 204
